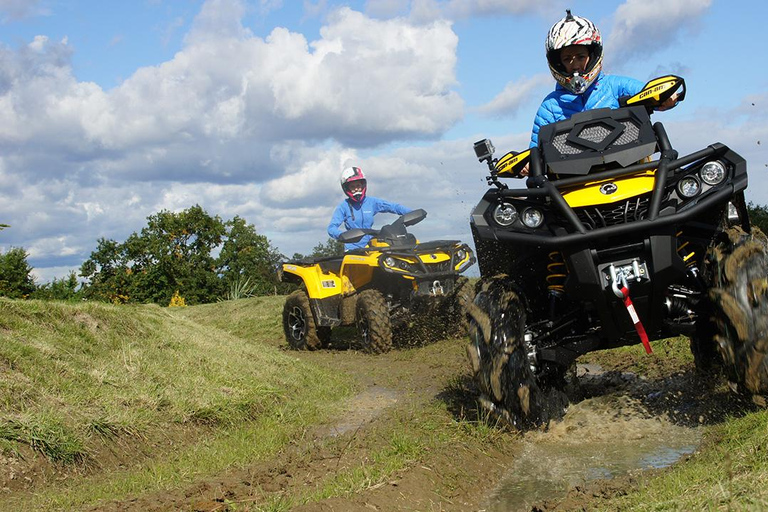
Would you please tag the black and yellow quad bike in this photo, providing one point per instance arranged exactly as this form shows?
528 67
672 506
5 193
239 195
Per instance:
394 282
613 239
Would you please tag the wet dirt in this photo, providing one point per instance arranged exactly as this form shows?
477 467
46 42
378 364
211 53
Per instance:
621 421
599 438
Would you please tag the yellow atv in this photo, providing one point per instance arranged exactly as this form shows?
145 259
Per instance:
392 283
613 239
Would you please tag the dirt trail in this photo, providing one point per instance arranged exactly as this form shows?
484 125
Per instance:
466 477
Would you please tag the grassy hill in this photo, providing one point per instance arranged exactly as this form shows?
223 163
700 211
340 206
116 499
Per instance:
150 396
103 403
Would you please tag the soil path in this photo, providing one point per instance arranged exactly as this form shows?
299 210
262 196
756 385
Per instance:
402 381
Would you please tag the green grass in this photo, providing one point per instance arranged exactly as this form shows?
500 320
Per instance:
76 376
187 393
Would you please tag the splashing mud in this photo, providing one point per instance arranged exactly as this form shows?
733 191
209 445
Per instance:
598 438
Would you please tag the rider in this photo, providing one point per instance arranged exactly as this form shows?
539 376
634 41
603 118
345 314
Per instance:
358 209
575 56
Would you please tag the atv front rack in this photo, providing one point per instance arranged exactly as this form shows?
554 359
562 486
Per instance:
539 186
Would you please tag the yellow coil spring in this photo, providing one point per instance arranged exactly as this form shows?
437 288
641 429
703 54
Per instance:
557 272
689 258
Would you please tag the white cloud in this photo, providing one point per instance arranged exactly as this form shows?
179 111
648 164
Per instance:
218 125
15 10
644 26
516 94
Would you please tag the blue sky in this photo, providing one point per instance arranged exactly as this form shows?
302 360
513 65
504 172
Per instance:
114 111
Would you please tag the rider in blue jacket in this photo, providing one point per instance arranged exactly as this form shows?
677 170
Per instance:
358 209
575 57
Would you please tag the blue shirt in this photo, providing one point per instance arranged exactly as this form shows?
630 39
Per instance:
360 215
561 103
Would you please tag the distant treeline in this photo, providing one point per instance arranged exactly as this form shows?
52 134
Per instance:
174 256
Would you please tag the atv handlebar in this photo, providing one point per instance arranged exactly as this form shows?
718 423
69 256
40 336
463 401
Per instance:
409 219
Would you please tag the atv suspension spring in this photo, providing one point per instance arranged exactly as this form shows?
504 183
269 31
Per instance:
557 272
689 258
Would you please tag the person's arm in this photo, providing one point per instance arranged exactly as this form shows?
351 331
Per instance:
544 116
390 207
337 219
628 86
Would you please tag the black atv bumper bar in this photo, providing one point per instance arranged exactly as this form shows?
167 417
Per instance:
657 220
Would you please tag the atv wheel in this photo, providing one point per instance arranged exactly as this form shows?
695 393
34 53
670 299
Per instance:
738 275
456 319
501 362
372 320
299 324
703 345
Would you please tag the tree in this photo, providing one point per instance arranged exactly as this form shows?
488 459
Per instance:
332 247
172 253
758 216
107 273
16 279
175 253
246 255
59 289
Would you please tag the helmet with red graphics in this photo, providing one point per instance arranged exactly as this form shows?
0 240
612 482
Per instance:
353 183
569 31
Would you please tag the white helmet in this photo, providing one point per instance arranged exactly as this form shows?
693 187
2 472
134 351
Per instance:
349 175
569 31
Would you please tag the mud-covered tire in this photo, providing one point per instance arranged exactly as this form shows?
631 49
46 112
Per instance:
299 323
372 322
455 317
737 269
706 357
500 361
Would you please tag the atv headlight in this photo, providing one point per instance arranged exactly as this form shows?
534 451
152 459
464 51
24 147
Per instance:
532 217
689 187
389 261
505 214
461 254
712 173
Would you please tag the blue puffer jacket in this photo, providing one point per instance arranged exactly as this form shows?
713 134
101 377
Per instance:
360 215
562 104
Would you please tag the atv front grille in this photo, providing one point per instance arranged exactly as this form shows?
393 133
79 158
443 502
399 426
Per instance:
632 210
596 133
443 266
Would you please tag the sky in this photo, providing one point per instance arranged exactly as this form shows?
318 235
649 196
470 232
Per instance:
114 111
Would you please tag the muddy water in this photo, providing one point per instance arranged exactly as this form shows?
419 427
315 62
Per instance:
599 438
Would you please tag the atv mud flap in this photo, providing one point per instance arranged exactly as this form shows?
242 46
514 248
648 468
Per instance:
327 311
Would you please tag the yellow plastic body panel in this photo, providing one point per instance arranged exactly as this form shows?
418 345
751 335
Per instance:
319 285
626 188
437 257
357 270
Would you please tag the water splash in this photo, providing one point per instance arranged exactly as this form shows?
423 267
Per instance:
599 438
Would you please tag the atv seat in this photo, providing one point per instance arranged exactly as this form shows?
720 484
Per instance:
407 241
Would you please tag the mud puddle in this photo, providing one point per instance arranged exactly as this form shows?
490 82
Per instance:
599 438
363 408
